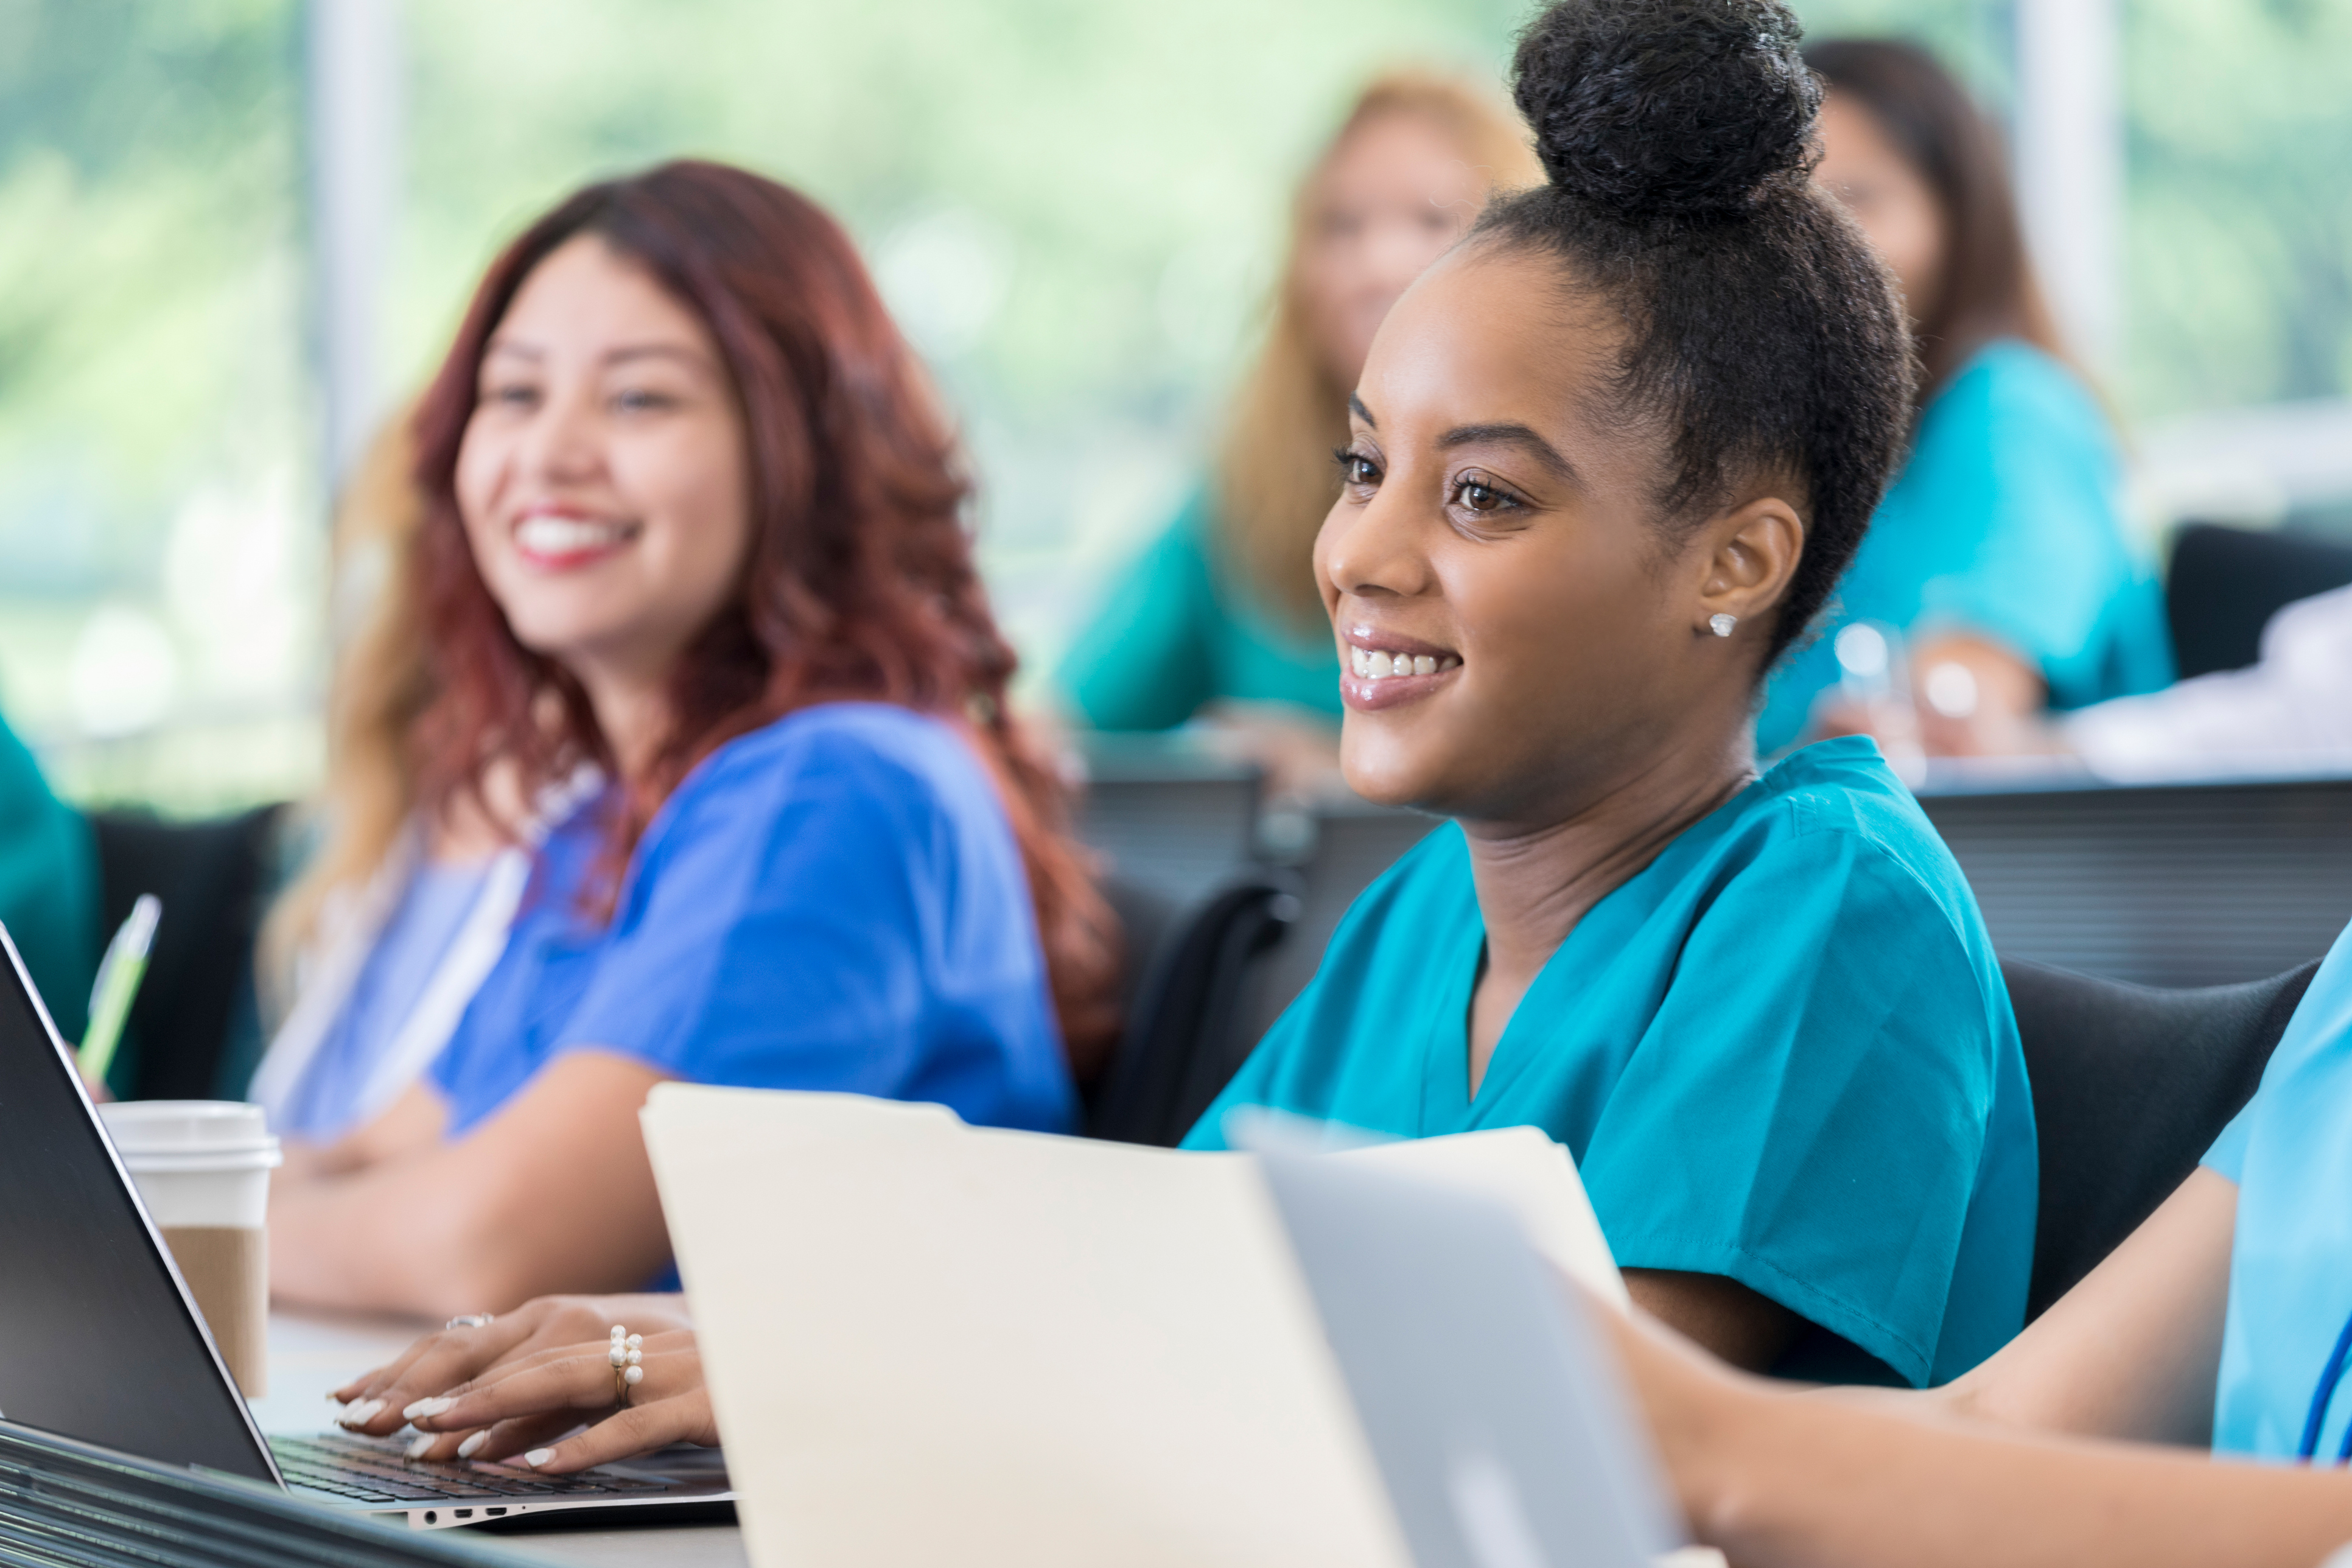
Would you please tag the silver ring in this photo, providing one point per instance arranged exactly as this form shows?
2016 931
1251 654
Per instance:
472 1321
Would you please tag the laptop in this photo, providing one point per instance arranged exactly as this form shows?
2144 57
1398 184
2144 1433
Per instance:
100 1340
1496 1423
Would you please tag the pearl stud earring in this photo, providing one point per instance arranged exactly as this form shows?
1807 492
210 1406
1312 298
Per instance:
1721 624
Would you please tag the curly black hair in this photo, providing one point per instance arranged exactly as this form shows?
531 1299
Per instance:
1762 336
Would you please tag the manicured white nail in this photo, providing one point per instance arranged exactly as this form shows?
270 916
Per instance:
416 1449
473 1445
426 1408
360 1415
538 1456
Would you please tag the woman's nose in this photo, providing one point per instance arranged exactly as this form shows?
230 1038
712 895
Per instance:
561 442
1376 548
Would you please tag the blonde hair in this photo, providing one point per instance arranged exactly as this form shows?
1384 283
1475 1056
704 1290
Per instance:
383 680
1274 477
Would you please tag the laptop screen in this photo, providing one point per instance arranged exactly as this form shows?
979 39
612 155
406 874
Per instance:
97 1341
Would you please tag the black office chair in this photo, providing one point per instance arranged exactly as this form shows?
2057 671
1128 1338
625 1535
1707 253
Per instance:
214 878
1185 1037
2225 584
2131 1086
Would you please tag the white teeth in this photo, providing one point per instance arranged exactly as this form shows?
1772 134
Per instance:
544 535
1369 665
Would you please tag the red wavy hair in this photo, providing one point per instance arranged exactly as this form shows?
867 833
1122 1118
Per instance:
859 583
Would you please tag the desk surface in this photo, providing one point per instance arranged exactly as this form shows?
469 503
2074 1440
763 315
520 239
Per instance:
309 1354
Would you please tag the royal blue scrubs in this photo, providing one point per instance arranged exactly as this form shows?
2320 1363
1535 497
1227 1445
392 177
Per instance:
2290 1151
1781 1053
834 901
2007 521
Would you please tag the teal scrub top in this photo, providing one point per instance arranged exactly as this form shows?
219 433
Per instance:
48 886
2290 1151
1176 633
1781 1053
2007 519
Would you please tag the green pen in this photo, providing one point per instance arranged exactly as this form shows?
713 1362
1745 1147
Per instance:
119 973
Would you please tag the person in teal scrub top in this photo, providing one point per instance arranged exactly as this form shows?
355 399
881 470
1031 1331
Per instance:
2000 554
48 886
1217 619
2224 1321
1604 460
1608 457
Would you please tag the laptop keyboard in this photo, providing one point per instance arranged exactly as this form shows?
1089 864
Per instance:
379 1472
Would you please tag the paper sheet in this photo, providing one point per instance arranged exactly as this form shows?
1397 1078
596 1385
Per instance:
1526 1172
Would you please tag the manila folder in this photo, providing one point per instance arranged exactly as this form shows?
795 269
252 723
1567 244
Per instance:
986 1348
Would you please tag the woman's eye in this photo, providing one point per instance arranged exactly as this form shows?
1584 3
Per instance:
511 396
641 400
1479 498
1355 468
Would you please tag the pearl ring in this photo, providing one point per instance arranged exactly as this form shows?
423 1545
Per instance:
625 1353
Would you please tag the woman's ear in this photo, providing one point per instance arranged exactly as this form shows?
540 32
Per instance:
1747 556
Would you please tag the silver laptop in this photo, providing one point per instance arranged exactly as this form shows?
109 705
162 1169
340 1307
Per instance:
1498 1425
100 1340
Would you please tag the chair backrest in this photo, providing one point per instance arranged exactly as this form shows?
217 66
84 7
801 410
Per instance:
213 878
1353 844
1184 1038
2225 584
2131 1086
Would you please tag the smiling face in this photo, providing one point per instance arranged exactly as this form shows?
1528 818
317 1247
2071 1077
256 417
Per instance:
603 479
1499 536
1392 196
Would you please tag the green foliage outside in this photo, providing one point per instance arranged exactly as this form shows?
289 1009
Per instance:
1073 203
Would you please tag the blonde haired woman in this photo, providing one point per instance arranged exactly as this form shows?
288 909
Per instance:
375 950
1220 618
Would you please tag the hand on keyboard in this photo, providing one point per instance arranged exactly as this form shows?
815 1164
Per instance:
523 1405
458 1357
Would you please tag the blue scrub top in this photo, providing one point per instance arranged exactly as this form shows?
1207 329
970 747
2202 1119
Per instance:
2290 1151
834 901
324 1103
1781 1053
2007 521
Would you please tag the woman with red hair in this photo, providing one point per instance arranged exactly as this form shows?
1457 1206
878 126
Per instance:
695 537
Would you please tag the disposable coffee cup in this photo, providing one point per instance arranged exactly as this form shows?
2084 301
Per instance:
201 1167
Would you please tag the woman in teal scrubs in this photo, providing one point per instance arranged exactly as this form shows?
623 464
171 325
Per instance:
2225 1319
1605 459
2001 554
1761 1012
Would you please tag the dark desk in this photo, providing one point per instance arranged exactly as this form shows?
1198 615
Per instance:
1167 813
2188 883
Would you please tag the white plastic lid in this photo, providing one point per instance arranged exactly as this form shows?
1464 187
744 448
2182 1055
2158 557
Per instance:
192 1134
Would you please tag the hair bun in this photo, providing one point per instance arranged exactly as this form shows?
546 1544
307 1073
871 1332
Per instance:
1668 108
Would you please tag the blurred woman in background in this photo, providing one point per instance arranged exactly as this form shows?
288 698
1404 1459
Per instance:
48 886
693 521
2000 554
371 955
1219 617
